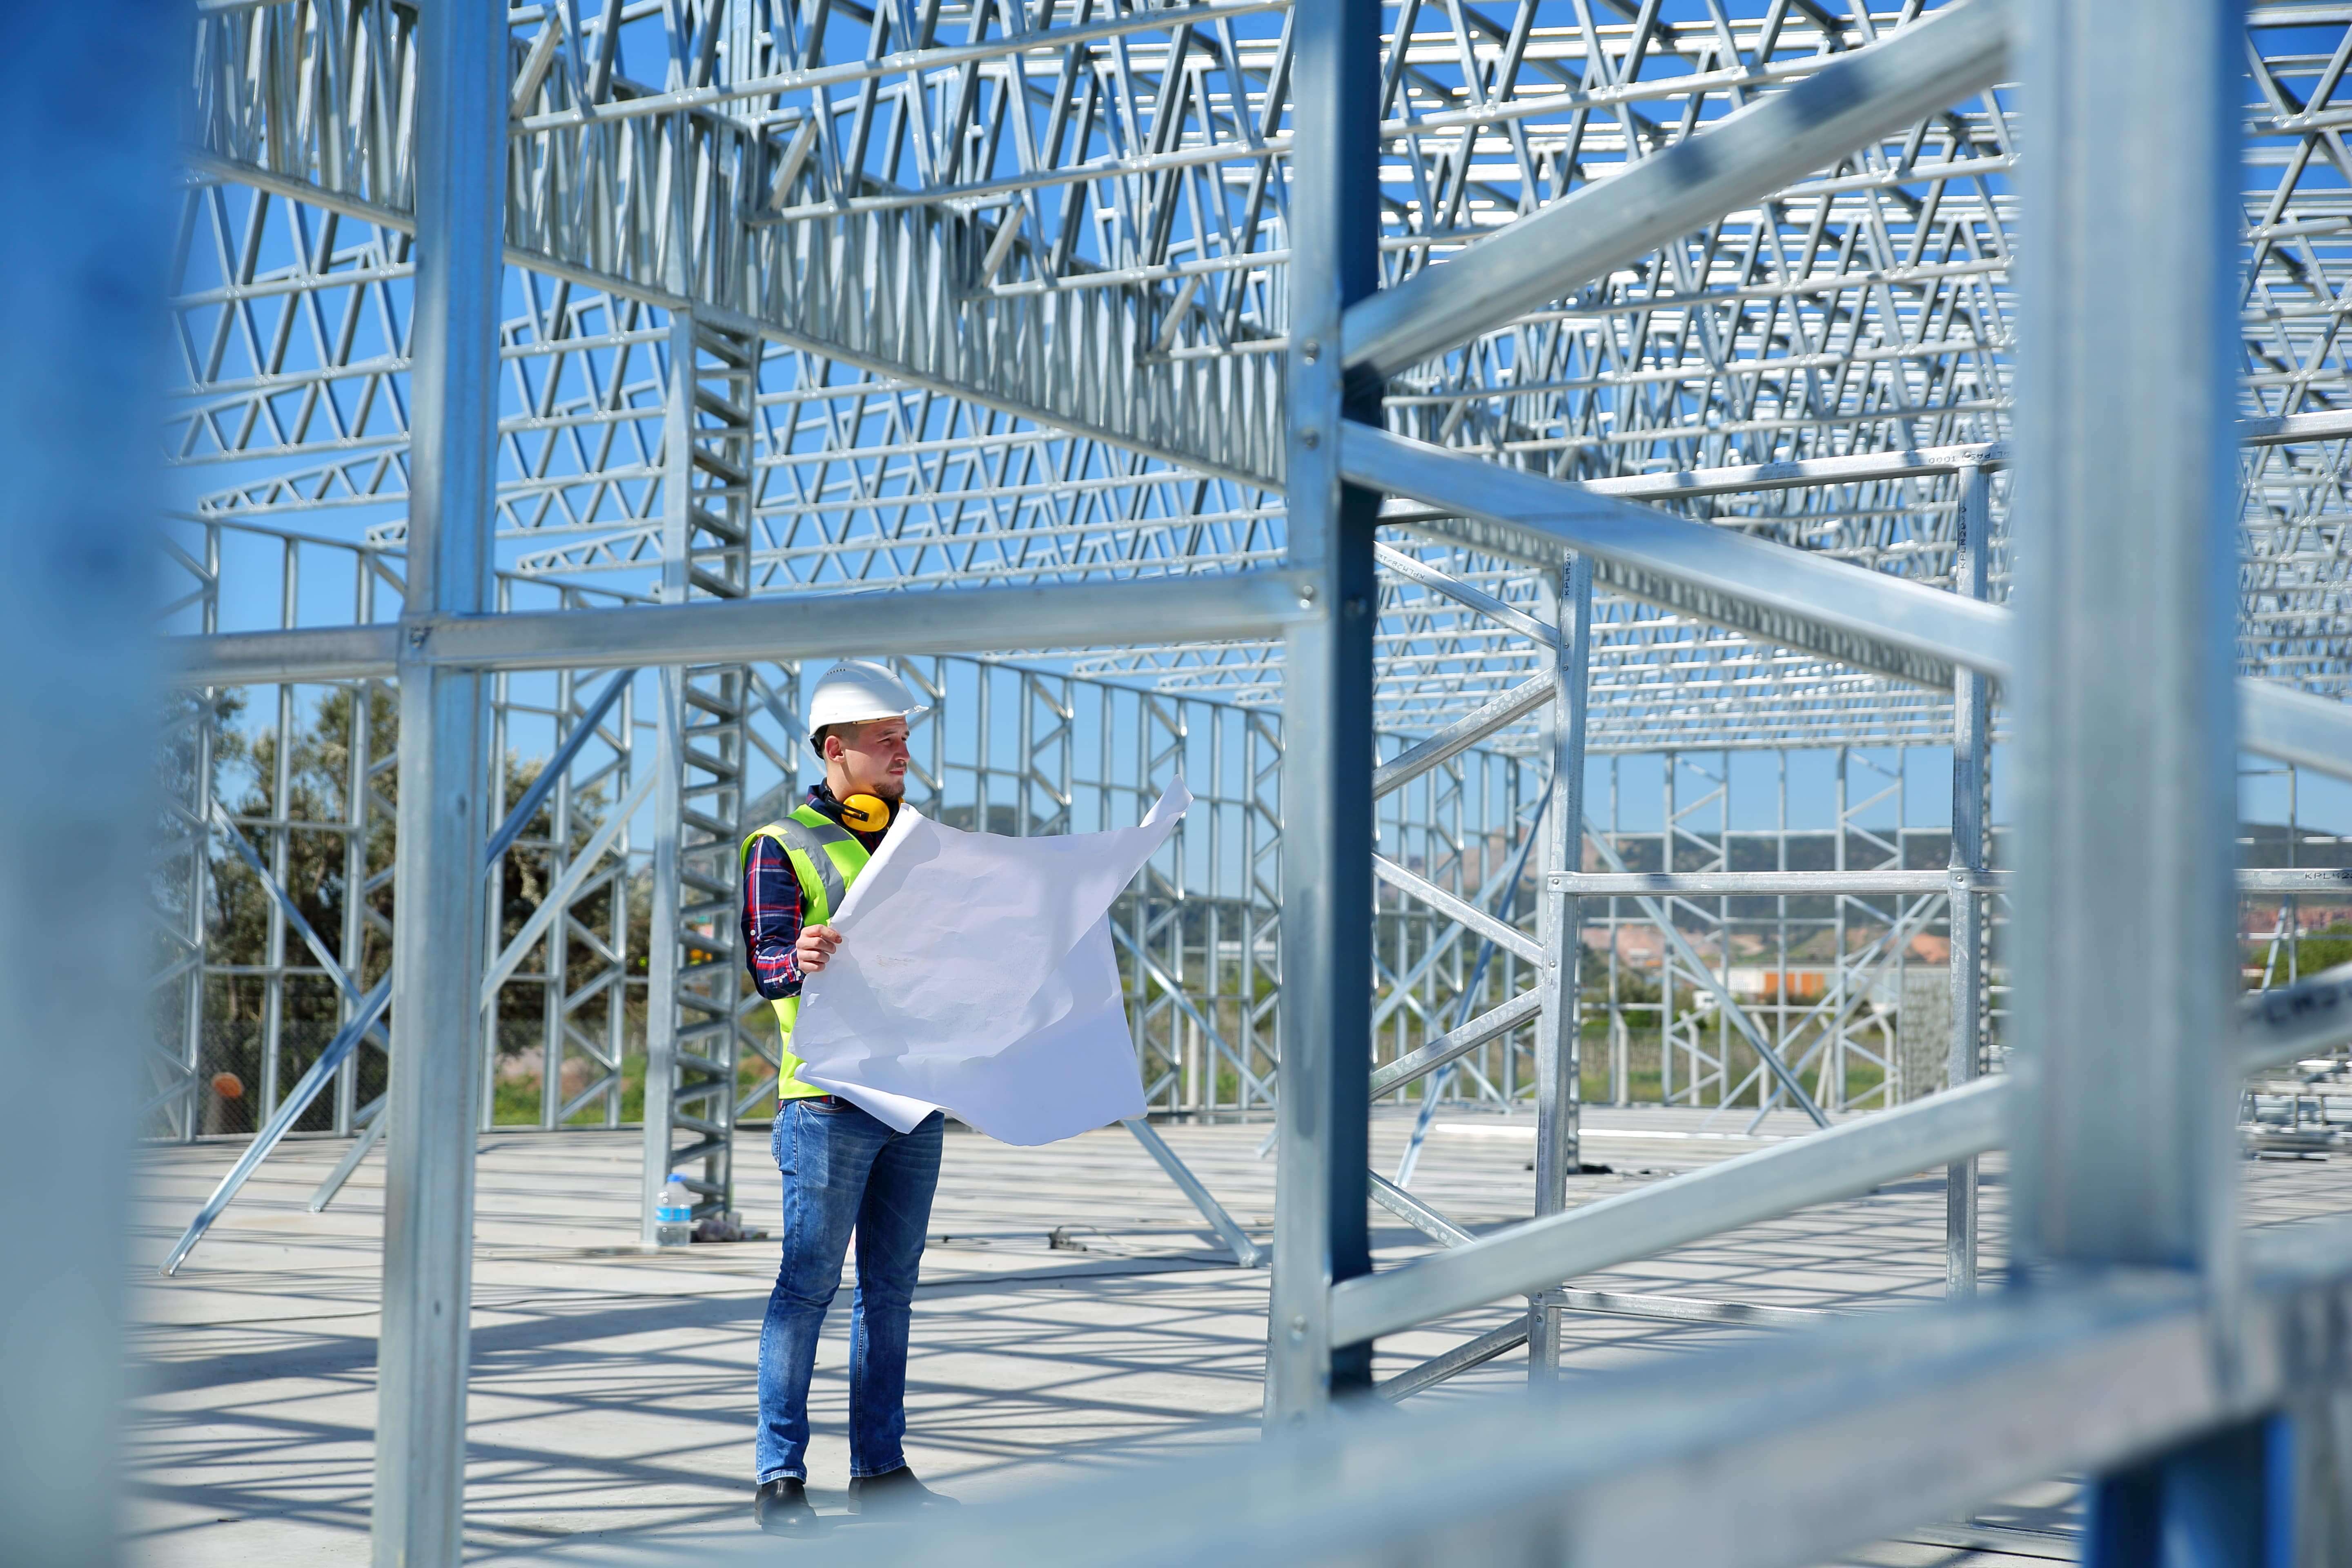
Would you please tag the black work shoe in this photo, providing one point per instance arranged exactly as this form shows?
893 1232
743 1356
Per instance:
782 1507
893 1492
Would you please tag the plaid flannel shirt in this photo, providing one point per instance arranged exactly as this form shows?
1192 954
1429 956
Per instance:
772 914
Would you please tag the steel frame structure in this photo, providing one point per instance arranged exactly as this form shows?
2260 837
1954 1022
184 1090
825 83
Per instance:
1490 394
2114 1184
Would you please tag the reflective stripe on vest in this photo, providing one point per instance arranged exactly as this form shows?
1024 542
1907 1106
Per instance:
826 859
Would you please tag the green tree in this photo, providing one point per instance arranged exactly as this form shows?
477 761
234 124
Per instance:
321 880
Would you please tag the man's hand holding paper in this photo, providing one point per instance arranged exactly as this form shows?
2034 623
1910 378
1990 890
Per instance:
975 974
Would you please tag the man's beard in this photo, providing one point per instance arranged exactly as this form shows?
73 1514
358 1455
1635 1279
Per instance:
892 789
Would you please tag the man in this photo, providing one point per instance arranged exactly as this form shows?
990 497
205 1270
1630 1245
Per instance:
844 1169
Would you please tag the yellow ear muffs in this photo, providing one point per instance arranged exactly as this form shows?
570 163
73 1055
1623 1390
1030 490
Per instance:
865 813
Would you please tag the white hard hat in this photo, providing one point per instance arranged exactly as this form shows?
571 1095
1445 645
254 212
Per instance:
857 689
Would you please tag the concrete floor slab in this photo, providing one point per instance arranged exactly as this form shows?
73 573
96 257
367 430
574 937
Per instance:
1075 1314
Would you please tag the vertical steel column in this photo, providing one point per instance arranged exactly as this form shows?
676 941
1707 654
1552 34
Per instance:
420 1457
498 695
2290 912
187 1109
1832 1086
87 95
2126 501
552 1009
663 949
277 836
617 995
1322 1233
695 1028
1621 1043
664 934
1560 1055
1262 856
2126 714
717 473
358 759
1779 906
1971 748
694 1032
1199 1059
1666 943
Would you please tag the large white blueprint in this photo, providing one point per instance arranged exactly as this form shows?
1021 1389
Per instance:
975 974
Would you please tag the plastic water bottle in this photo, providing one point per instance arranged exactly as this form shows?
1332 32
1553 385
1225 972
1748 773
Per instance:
674 1219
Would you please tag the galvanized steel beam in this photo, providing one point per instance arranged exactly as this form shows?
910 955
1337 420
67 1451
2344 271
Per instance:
420 1452
2122 964
1321 1232
1559 1041
1958 50
1079 615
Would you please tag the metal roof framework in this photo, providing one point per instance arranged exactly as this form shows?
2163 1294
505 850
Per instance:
1670 356
1100 399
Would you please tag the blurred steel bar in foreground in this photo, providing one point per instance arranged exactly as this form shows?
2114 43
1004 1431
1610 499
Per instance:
86 100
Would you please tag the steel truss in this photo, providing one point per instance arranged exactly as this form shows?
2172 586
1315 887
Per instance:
1196 938
1823 300
2093 1215
1670 358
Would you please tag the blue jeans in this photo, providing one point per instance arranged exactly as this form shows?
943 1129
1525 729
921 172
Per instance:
844 1169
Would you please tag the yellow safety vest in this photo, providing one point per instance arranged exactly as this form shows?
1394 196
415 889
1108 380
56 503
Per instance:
826 859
